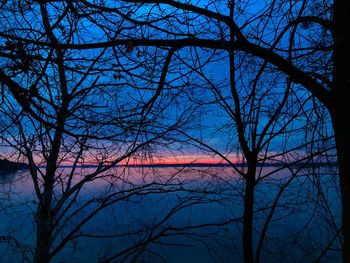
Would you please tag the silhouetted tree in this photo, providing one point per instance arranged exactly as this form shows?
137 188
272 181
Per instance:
306 40
62 70
62 107
267 122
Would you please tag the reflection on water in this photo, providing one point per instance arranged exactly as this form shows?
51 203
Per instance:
175 215
6 177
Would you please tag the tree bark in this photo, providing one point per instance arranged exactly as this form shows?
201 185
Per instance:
45 217
340 119
248 248
43 235
340 111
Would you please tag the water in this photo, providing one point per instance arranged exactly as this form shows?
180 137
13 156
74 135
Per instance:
177 215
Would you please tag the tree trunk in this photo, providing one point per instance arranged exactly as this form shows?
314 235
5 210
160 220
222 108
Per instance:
45 219
248 251
340 110
340 119
43 235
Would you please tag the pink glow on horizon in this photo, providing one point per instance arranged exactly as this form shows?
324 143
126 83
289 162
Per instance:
184 159
160 159
157 160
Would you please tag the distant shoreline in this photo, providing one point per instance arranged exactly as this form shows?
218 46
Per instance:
8 166
333 164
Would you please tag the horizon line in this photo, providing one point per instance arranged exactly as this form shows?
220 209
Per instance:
203 164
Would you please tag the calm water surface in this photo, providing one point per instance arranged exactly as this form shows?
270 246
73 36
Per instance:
183 212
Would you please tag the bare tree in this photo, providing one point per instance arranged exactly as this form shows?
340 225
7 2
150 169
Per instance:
67 108
68 59
316 59
266 127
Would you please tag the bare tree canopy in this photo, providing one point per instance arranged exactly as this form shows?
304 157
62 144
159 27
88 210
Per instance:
104 82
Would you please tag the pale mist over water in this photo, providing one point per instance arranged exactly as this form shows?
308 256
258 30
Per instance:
172 214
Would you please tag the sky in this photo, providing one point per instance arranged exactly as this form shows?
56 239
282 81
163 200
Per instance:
209 122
